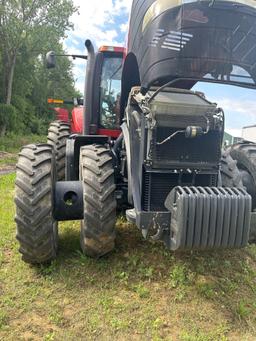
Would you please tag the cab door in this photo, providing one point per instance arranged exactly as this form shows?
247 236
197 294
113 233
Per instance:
108 73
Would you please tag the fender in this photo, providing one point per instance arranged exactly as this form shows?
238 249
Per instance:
62 114
77 120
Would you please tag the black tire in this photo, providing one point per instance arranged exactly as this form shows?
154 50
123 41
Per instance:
98 226
230 175
58 134
37 231
245 155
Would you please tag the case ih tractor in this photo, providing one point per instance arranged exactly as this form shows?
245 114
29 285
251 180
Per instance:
157 149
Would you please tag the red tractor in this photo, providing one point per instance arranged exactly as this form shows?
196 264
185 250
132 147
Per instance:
109 59
149 143
60 130
75 119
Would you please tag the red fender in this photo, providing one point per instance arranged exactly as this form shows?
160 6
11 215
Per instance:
62 114
77 120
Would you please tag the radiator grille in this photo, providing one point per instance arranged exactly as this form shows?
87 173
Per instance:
202 150
157 186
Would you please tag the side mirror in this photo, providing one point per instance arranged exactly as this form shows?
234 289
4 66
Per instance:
50 60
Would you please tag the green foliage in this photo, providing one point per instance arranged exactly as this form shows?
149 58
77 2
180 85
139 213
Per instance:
206 289
180 276
141 290
28 29
12 142
3 319
243 310
8 117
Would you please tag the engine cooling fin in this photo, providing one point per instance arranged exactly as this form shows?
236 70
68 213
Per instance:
208 217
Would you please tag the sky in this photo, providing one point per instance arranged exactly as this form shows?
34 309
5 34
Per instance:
105 22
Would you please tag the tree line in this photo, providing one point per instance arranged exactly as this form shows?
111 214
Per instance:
28 30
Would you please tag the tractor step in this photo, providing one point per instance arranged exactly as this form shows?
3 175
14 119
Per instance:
209 217
131 215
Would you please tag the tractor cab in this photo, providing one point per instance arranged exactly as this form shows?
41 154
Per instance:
102 93
106 93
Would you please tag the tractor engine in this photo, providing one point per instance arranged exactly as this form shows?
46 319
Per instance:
180 137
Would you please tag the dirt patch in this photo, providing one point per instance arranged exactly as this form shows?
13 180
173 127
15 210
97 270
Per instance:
6 170
6 155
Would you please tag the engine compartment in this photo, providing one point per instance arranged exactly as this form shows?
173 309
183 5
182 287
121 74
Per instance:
166 153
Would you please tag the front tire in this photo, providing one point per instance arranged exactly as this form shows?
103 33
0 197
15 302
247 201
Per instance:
37 231
97 175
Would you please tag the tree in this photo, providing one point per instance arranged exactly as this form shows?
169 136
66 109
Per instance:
28 22
27 25
55 83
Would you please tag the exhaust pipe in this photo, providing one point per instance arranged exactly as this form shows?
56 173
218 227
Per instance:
87 112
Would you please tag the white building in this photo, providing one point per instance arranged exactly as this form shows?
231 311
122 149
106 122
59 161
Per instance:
249 133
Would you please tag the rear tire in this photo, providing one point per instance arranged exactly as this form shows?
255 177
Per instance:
97 174
58 134
37 231
230 175
245 155
230 165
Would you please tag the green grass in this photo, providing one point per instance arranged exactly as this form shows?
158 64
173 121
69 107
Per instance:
7 160
139 292
12 142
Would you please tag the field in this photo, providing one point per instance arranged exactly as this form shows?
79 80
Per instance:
139 292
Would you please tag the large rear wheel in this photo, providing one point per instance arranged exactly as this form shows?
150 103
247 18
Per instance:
245 155
97 174
58 134
37 231
230 175
235 173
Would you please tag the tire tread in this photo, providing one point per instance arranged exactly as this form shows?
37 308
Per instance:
97 174
58 134
33 199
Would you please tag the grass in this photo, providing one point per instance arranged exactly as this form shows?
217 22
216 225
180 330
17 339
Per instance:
10 146
7 160
12 142
139 292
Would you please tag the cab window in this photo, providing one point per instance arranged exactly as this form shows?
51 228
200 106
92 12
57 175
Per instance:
110 93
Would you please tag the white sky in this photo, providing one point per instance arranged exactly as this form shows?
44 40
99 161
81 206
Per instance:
105 22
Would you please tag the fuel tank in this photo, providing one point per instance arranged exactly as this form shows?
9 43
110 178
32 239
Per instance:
174 39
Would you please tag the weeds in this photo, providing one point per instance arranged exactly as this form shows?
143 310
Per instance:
180 275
